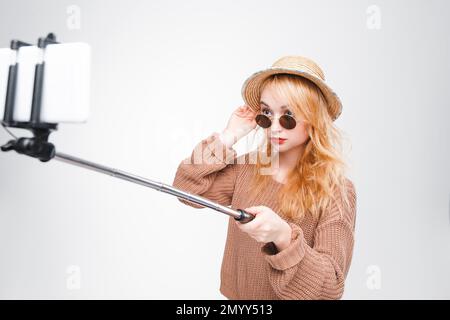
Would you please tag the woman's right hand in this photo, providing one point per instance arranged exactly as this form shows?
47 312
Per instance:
241 122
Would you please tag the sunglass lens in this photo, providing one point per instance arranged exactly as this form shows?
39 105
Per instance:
263 121
287 122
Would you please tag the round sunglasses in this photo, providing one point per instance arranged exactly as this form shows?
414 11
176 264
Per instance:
286 121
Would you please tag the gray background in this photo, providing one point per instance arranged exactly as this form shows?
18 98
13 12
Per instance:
167 74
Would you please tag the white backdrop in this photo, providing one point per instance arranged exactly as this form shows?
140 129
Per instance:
164 76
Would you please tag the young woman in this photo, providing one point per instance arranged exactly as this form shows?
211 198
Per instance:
300 243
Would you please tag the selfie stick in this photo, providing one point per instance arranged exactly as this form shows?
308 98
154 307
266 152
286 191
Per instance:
39 147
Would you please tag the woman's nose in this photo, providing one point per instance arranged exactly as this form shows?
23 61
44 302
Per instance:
276 127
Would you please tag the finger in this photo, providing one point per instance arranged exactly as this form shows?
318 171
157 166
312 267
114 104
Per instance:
250 110
254 210
249 226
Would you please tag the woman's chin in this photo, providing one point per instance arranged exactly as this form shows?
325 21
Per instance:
279 147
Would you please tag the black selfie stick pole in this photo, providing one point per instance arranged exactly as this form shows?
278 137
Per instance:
39 147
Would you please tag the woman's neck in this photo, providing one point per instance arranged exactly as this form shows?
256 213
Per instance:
288 159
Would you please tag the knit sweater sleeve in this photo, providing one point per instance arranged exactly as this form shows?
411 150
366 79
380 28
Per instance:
209 172
318 272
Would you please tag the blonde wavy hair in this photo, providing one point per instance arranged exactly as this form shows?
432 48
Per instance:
320 171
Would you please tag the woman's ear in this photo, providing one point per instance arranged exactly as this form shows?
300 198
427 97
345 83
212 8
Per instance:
308 128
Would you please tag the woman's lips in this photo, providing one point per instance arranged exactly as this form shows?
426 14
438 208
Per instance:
278 140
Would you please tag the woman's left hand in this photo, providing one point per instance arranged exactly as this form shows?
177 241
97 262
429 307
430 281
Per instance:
267 226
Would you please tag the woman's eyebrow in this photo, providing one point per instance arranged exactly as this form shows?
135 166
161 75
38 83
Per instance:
262 102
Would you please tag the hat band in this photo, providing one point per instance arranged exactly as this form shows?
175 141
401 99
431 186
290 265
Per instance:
299 67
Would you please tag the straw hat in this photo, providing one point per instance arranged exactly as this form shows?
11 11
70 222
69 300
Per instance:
295 65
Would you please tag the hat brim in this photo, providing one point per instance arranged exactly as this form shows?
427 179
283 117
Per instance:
251 89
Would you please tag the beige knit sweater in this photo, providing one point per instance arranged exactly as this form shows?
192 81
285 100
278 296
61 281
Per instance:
315 264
